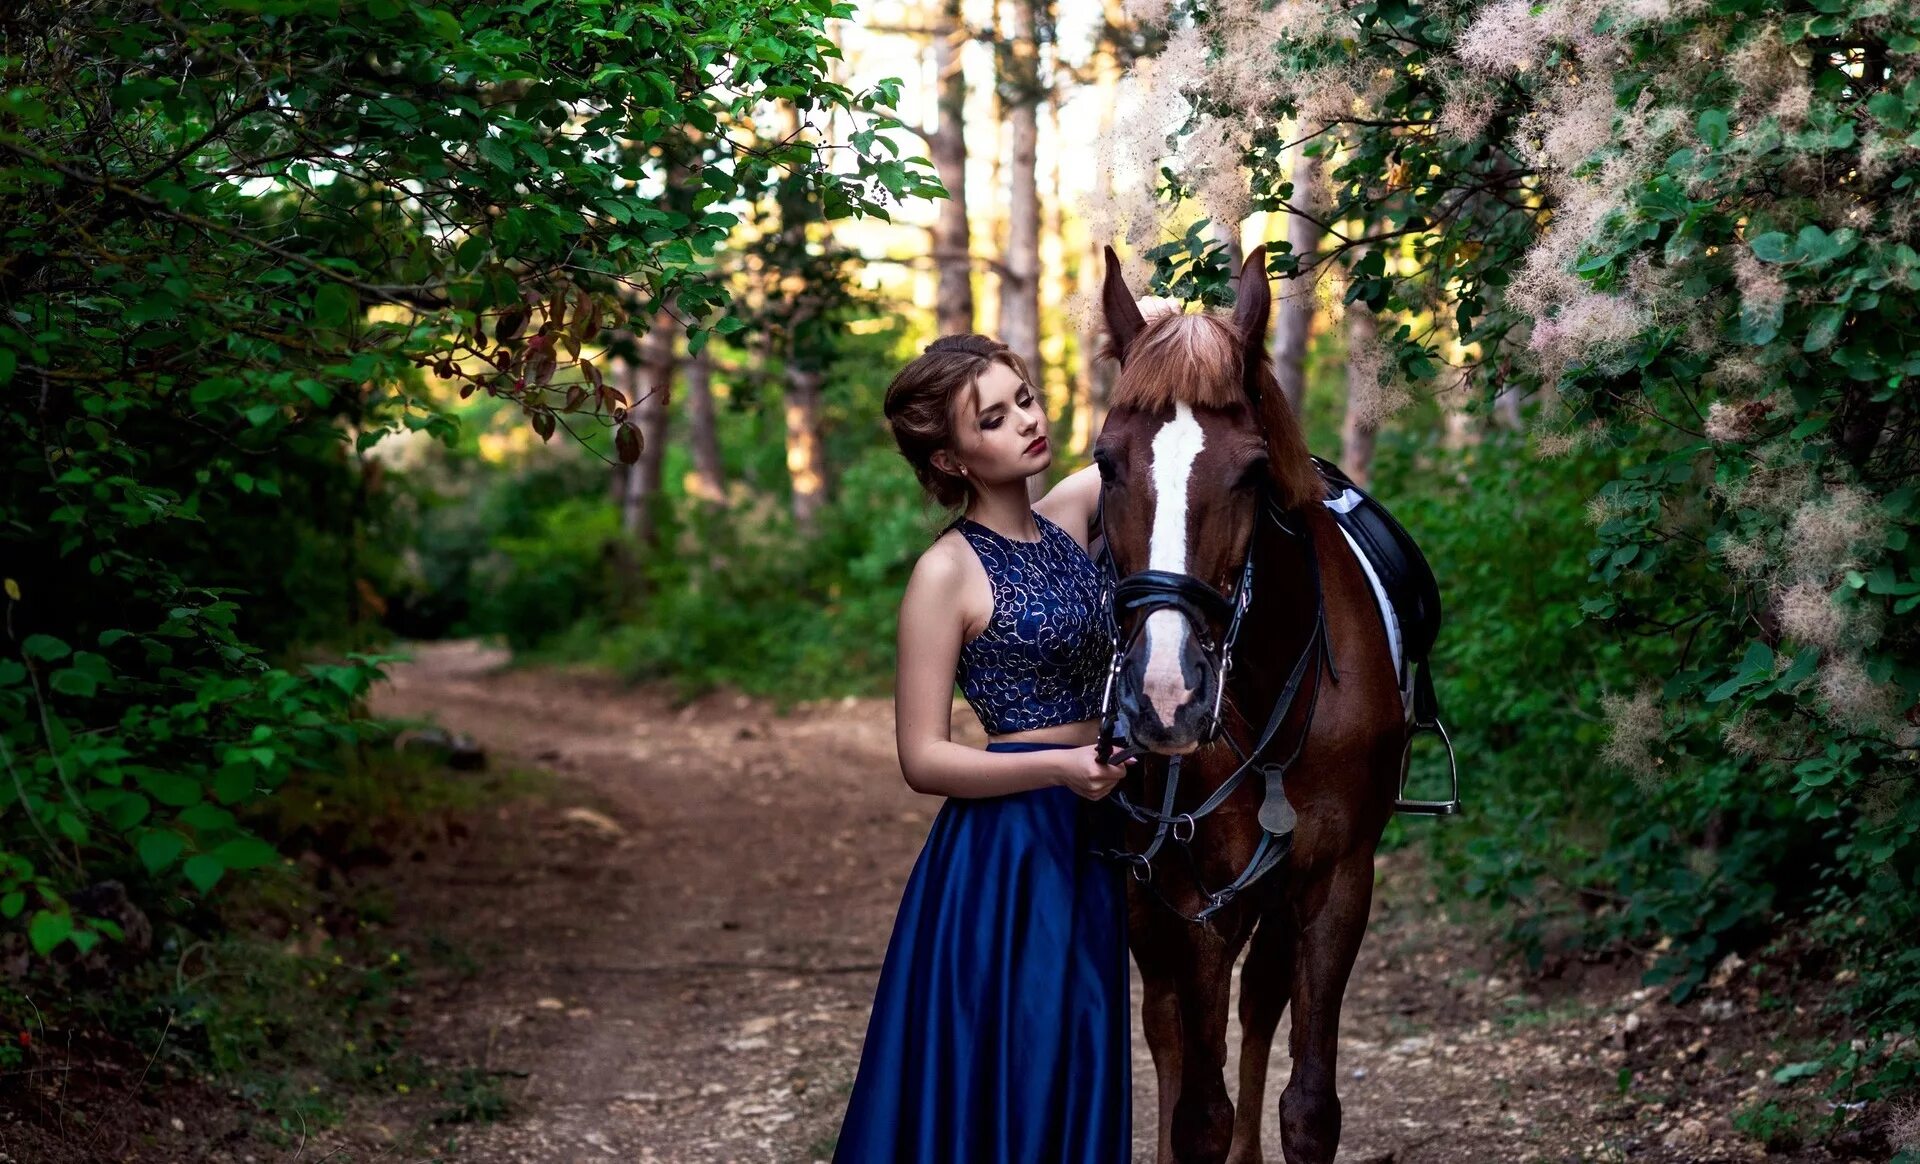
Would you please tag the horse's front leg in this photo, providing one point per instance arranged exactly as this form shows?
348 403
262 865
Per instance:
1330 909
1265 978
1155 936
1202 1126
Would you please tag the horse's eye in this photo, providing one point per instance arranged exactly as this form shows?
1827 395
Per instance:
1253 474
1104 464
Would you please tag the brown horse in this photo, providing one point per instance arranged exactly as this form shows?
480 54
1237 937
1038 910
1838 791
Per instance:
1199 440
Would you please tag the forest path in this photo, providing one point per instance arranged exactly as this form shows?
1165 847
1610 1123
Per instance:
679 951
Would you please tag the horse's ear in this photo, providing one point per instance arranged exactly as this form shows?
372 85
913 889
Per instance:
1252 303
1124 320
1252 300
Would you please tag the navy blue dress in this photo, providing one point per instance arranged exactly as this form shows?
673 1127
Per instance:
1000 1030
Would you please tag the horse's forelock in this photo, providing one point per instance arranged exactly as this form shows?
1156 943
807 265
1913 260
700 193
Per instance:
1181 358
1197 359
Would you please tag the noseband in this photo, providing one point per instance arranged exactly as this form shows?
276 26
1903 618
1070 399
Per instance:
1147 591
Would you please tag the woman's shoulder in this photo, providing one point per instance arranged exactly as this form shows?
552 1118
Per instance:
949 580
946 565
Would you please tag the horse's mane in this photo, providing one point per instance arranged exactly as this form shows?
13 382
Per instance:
1196 359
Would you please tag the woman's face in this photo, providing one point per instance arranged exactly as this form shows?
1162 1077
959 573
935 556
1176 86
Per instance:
1000 433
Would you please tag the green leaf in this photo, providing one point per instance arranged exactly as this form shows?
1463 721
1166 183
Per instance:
48 929
334 305
1727 690
496 152
71 827
73 681
1888 108
159 849
170 788
1772 247
203 870
233 783
1825 325
208 818
1712 127
1818 247
44 647
1802 668
1793 1071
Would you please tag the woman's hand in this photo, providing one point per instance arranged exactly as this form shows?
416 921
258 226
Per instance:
1082 771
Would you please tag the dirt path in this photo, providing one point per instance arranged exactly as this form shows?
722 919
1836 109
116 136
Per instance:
681 951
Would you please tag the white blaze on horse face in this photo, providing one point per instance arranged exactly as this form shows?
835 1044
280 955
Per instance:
1175 449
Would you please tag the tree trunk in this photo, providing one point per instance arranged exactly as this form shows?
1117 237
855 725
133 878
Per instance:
1020 266
952 238
1020 269
709 481
806 455
1293 325
648 383
1097 374
806 464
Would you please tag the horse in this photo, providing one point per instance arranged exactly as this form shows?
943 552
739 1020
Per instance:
1207 487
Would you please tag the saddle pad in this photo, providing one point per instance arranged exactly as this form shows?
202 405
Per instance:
1387 615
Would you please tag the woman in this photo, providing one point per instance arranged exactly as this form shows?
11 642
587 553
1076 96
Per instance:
1000 1025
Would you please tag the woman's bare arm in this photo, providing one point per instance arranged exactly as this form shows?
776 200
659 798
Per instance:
1071 503
932 625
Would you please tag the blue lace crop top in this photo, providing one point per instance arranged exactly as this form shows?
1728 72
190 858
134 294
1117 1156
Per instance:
1043 657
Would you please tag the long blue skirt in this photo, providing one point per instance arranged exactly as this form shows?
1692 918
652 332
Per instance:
1000 1030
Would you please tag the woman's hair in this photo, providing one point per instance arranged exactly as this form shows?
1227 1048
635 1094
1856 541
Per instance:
921 398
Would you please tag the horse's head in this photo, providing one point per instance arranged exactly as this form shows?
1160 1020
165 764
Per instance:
1197 431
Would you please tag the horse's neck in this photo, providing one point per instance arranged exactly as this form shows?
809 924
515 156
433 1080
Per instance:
1279 621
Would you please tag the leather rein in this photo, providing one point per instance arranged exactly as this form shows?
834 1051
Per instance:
1147 591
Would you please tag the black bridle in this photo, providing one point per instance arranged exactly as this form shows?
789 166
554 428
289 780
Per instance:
1149 590
1146 591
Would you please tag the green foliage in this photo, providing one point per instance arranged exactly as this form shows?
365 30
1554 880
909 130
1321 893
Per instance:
774 611
163 794
1779 1128
236 239
736 595
291 991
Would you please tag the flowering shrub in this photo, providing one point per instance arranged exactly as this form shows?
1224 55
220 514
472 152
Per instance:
1684 229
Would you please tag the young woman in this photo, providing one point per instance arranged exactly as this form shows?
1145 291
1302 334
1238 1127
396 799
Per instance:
1000 1030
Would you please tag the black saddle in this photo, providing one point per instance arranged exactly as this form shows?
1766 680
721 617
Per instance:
1415 596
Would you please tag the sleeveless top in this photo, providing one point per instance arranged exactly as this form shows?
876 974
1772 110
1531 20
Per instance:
1043 657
